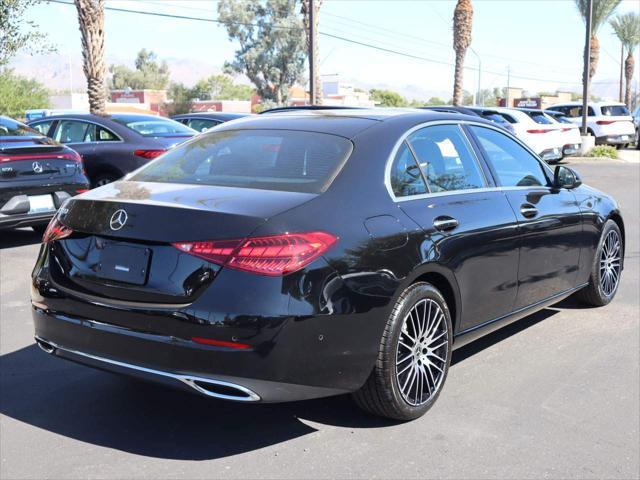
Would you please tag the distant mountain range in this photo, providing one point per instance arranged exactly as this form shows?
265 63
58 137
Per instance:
61 72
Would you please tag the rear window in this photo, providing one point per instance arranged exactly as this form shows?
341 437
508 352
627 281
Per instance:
153 127
11 128
540 117
615 110
281 160
494 117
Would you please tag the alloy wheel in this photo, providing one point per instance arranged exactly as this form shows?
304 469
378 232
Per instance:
422 352
610 263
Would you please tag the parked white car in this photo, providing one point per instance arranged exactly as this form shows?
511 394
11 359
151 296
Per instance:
570 131
610 122
542 135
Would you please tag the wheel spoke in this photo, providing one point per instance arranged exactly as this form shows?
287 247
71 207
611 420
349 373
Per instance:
404 359
436 356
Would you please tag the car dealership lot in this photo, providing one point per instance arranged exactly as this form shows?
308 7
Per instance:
554 395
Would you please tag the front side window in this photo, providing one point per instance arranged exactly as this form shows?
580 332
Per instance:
446 159
406 179
201 124
513 164
283 160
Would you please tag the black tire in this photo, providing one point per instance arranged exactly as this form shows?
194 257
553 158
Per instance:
594 294
103 179
382 394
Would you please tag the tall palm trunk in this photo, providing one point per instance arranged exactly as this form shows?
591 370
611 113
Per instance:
91 20
316 51
629 65
462 26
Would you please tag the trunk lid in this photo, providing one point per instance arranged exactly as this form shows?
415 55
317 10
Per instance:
24 158
121 247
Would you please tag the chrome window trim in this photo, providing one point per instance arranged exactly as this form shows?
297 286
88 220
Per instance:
459 123
120 140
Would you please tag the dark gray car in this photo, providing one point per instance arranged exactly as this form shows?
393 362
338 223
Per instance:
114 145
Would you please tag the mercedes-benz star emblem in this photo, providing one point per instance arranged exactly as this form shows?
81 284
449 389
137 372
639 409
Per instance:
118 219
37 167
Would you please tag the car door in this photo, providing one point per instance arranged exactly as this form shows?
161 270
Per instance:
468 224
549 218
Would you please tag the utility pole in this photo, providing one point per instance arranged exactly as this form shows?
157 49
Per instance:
479 94
312 48
585 72
621 70
506 100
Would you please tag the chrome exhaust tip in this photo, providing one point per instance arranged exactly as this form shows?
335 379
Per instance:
220 389
45 346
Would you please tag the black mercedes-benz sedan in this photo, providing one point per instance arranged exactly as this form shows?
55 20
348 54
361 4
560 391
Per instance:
307 254
36 176
114 145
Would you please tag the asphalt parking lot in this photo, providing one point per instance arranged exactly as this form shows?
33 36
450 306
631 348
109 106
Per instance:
556 395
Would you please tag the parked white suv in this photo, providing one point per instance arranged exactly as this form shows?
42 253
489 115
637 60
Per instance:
610 122
544 139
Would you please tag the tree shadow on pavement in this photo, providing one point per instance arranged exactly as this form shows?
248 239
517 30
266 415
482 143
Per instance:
145 419
19 238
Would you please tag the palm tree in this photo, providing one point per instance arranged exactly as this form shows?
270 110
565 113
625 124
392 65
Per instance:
305 10
627 28
462 24
602 10
91 20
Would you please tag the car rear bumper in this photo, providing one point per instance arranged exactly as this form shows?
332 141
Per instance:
166 360
571 149
551 154
614 139
24 220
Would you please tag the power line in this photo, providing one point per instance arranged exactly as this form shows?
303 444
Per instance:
325 34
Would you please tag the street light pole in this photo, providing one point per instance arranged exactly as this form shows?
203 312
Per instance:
585 72
479 94
312 47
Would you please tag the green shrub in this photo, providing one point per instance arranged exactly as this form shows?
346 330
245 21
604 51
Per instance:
603 151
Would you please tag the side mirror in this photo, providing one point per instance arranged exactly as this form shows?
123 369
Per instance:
564 177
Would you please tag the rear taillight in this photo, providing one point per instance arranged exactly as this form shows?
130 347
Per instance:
274 255
538 130
566 129
148 154
605 122
55 231
49 156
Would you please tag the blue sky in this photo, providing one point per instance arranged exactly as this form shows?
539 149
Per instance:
541 40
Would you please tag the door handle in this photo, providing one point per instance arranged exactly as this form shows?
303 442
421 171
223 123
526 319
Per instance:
528 211
445 223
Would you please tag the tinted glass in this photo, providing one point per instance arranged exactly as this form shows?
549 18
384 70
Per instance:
446 159
42 127
11 128
153 126
268 159
514 165
406 179
540 117
105 135
74 131
576 111
615 110
201 124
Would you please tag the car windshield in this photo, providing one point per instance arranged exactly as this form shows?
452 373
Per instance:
11 128
281 160
154 126
540 117
615 110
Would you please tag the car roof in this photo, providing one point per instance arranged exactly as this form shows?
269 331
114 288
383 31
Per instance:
578 103
98 118
531 110
344 122
212 115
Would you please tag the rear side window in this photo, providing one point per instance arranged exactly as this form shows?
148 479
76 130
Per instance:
615 111
540 117
74 131
513 164
42 127
282 160
576 111
406 179
153 126
201 124
446 159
